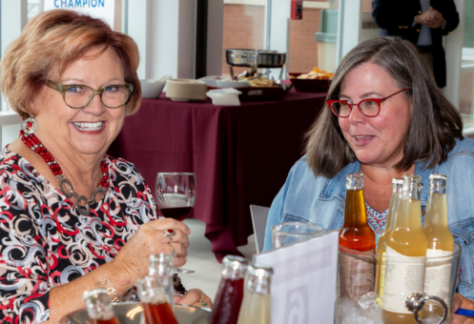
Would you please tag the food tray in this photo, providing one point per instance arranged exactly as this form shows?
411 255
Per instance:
262 58
131 313
309 85
264 93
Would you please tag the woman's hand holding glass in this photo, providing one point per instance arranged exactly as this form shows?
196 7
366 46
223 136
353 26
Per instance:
150 238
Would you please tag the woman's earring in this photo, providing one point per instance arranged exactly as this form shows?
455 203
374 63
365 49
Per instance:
29 126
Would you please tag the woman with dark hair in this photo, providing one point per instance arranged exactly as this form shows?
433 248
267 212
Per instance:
410 129
71 217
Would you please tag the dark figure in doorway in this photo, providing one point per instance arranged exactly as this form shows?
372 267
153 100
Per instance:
422 22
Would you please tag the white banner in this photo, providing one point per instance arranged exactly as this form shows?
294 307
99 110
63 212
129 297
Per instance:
103 9
304 281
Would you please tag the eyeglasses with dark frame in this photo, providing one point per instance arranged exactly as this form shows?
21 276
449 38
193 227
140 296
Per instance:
368 107
78 96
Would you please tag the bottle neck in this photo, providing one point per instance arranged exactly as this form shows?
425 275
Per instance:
99 308
233 273
161 265
258 285
394 206
410 212
436 210
355 214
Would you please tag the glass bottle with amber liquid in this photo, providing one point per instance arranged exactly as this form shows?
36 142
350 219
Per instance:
440 243
397 187
357 276
405 256
98 307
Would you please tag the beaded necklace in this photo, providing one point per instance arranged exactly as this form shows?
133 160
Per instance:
36 146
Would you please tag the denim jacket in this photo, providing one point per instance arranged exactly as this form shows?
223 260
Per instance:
319 200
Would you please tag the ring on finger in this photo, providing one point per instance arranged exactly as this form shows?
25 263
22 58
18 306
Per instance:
203 303
170 233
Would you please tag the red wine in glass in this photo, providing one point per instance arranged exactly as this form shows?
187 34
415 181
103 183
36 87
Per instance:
179 213
175 195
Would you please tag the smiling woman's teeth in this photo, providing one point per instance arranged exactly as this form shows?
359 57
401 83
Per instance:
361 138
89 126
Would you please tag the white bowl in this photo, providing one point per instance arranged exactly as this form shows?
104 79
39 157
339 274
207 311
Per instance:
151 90
231 84
186 89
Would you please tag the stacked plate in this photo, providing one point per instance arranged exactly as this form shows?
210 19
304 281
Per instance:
186 89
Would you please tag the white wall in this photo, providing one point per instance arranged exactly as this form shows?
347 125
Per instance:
453 49
215 36
165 33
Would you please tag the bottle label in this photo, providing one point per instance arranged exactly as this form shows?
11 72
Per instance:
356 274
404 275
438 274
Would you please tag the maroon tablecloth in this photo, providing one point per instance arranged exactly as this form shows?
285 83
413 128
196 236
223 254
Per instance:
241 155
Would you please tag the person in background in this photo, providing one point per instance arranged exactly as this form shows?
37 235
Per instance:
422 22
71 217
388 119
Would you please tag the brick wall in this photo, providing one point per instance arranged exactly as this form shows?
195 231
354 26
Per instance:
243 28
303 48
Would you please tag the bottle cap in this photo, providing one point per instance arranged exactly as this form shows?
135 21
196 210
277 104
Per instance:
235 267
354 181
260 270
412 178
235 262
96 293
259 278
438 181
438 176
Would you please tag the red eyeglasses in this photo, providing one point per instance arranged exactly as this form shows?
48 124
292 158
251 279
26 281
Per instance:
368 107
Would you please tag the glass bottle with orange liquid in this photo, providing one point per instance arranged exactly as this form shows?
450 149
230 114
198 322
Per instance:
406 256
230 294
357 276
257 304
156 308
440 243
397 187
98 307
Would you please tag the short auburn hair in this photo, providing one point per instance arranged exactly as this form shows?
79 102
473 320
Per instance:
49 43
435 123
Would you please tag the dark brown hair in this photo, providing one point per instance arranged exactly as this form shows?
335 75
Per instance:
435 122
49 43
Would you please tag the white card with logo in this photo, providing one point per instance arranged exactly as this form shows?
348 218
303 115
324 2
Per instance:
304 280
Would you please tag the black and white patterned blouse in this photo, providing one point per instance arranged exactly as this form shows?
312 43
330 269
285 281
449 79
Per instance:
44 243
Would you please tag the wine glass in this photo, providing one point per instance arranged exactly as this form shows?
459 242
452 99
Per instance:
175 196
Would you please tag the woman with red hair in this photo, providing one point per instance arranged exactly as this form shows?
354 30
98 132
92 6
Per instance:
72 217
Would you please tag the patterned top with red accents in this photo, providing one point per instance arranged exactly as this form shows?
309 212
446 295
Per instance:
44 243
